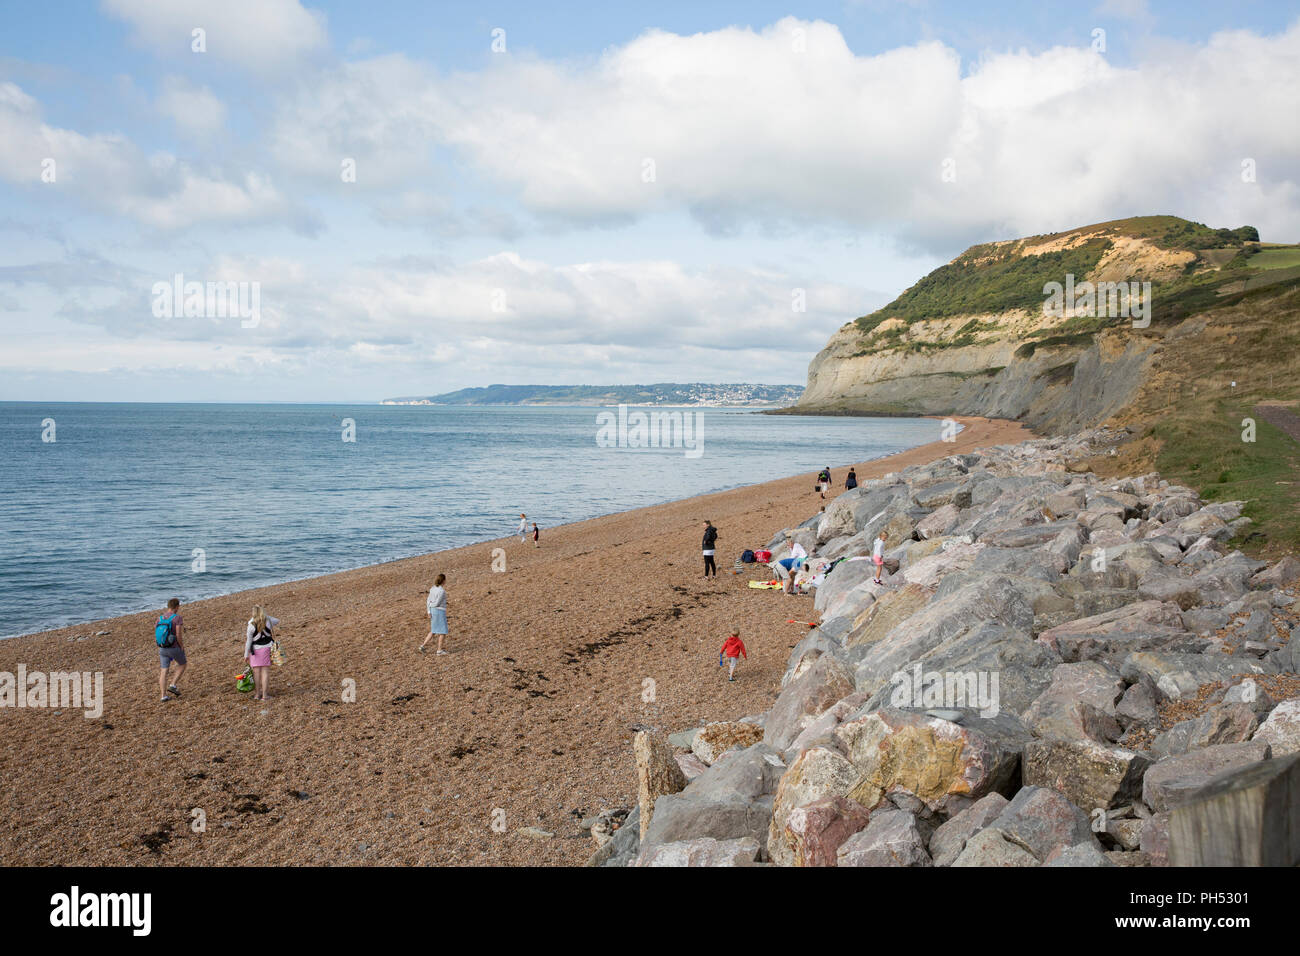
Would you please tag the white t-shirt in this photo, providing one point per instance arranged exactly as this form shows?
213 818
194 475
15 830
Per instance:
437 598
879 550
798 552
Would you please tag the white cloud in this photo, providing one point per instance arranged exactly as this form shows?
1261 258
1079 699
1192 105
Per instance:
259 35
195 110
742 128
110 173
503 311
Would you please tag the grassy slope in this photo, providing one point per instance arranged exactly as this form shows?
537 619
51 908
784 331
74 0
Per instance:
1189 415
990 278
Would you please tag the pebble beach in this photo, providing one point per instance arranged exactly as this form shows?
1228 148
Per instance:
369 753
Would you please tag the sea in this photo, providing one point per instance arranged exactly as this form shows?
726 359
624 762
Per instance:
108 509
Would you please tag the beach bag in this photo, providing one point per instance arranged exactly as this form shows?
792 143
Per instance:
277 655
244 681
164 632
747 557
763 556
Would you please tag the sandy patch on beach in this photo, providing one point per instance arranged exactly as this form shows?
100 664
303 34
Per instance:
531 714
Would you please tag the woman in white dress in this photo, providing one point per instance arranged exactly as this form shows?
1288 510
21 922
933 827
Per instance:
437 606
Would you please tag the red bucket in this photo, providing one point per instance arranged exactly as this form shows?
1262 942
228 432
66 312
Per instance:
762 557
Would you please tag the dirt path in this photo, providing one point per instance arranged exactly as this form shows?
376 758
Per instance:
530 715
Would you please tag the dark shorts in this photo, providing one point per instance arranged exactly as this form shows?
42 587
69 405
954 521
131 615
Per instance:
171 655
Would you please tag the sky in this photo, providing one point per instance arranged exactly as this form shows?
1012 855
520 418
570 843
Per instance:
416 197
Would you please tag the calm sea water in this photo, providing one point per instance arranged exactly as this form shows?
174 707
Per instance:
105 519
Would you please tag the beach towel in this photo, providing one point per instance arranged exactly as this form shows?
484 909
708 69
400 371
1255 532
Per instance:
765 584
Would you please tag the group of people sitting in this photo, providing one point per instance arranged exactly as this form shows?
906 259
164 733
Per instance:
800 573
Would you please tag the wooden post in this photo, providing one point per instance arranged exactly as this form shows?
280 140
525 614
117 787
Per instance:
1245 817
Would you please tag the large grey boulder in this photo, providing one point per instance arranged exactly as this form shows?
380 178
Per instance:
890 839
804 698
1173 780
1043 821
989 664
855 510
1089 774
886 613
1227 579
810 647
1081 854
1281 731
1180 675
621 849
1030 536
1278 575
1171 587
1224 723
703 851
991 847
730 800
947 616
1134 627
930 570
1079 704
846 576
1139 706
950 838
820 728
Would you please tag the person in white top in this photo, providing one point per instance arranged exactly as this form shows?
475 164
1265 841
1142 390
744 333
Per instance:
437 607
258 643
523 527
878 556
796 549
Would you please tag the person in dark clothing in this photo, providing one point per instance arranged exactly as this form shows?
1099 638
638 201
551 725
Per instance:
710 543
824 481
851 481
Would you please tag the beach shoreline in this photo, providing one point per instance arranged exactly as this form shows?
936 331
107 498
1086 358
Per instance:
95 623
531 714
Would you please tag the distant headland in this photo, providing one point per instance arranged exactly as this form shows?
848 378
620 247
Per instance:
741 394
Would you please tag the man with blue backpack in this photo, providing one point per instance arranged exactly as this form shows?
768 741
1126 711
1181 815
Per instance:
167 635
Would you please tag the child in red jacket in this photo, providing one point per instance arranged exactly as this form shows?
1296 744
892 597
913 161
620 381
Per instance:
732 649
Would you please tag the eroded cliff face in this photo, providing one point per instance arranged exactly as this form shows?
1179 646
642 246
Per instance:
1058 372
1055 390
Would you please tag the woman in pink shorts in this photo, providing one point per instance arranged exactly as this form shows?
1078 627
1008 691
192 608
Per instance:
257 649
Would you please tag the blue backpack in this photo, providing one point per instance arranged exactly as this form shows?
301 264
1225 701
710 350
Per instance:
164 632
